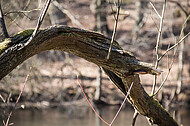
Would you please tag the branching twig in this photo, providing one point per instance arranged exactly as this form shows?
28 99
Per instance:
40 20
112 10
169 69
157 44
2 22
155 9
115 28
14 20
14 107
166 77
180 41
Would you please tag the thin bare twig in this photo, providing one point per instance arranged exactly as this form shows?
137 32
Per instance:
166 77
1 97
154 23
14 107
112 10
184 26
180 41
40 20
159 34
115 28
21 11
128 92
2 22
28 16
180 6
14 20
155 9
157 44
65 11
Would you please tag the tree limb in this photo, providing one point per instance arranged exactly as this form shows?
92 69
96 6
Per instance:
92 47
40 20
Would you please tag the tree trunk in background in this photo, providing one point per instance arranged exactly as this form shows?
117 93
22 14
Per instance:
98 8
139 22
180 67
185 31
98 92
181 59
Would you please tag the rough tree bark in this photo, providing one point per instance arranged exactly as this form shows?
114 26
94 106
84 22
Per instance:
92 47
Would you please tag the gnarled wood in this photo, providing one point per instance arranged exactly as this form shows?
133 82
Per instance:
94 48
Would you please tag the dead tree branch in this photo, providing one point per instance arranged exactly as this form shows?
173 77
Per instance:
169 70
158 43
92 47
115 28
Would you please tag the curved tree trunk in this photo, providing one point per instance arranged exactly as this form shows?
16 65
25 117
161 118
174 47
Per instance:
92 47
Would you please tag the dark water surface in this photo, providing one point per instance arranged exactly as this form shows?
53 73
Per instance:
84 116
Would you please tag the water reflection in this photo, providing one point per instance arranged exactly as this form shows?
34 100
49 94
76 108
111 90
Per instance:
83 116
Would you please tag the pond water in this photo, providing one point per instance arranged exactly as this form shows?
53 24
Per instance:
84 116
